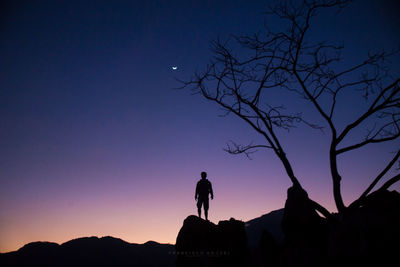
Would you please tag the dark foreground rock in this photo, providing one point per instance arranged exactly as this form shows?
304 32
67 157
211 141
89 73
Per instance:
202 243
91 251
305 232
365 236
369 235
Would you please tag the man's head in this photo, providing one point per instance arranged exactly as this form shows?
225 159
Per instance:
203 175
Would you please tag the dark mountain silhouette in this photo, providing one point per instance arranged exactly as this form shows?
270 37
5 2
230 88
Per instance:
91 251
107 251
270 222
293 236
94 251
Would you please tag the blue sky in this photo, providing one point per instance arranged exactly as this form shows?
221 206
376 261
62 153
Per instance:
94 140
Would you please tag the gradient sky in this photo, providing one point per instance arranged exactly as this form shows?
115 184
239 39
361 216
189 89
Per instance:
95 141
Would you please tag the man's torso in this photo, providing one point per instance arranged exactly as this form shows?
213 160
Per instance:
203 188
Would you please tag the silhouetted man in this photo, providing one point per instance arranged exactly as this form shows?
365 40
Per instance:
203 188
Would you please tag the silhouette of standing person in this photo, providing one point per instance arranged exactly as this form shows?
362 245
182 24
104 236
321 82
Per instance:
203 188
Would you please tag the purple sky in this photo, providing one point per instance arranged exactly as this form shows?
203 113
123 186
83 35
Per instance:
95 141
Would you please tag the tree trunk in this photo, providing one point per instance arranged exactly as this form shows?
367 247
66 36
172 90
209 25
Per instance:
336 178
289 169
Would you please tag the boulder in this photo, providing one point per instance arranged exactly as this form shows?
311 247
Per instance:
202 243
368 235
305 232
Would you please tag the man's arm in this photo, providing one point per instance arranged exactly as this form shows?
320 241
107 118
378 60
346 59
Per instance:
196 193
211 191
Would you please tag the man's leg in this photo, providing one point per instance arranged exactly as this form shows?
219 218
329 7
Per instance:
206 208
199 202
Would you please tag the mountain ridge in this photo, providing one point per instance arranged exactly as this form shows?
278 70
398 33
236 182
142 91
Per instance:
106 250
91 251
264 221
270 222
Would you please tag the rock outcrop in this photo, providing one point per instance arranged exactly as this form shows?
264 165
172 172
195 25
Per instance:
369 235
363 236
306 233
202 243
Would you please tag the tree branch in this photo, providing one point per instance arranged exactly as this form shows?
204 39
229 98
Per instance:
390 182
376 180
236 149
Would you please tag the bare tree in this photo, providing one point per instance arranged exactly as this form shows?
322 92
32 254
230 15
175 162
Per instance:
245 70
